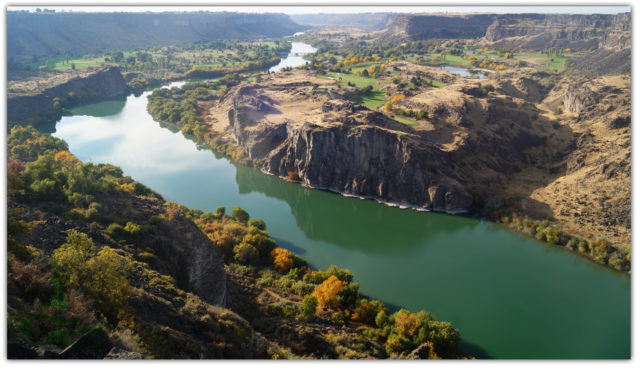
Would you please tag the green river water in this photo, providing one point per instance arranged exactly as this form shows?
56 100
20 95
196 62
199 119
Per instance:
511 296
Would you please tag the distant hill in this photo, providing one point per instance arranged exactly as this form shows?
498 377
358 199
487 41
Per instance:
366 21
42 35
520 31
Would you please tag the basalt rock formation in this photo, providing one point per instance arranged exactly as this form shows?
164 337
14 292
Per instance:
291 131
524 31
31 98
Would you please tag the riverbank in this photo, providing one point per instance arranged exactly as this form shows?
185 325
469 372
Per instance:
270 292
415 260
249 146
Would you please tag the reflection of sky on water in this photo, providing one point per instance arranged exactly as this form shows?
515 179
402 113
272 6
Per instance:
111 139
512 295
294 59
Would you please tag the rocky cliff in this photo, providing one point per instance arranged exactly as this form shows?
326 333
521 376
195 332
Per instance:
368 161
31 98
575 31
420 27
526 31
290 130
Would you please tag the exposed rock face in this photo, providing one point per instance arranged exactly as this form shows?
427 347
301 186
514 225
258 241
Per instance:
578 98
198 259
93 345
541 31
106 82
367 161
187 254
420 27
529 31
338 145
117 353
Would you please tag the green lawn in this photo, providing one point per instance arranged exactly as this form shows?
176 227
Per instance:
355 79
372 99
404 120
435 83
558 63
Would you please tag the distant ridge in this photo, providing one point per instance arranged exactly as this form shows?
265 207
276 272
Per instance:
42 35
366 21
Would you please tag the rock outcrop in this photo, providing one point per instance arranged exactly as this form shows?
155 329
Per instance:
367 161
540 31
28 99
420 27
292 131
525 31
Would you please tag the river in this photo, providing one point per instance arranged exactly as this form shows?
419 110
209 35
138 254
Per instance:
511 296
294 58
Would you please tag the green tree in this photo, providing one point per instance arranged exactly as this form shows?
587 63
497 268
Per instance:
240 215
258 223
309 306
246 254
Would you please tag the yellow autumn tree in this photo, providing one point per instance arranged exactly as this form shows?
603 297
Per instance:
101 274
282 259
327 293
406 323
65 158
395 98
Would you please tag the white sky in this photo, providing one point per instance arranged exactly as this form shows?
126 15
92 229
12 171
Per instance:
331 7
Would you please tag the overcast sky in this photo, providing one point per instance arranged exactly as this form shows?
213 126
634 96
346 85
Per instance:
339 9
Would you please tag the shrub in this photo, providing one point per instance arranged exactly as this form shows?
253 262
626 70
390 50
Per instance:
282 259
225 242
132 228
327 292
262 242
396 345
367 311
342 274
382 319
246 254
286 309
488 88
157 219
405 323
102 275
309 306
258 223
116 230
240 215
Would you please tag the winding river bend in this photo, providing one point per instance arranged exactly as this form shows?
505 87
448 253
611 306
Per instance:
511 296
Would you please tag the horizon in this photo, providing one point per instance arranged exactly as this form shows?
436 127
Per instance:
308 10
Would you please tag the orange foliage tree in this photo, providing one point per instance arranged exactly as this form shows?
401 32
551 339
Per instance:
406 323
282 259
65 158
327 292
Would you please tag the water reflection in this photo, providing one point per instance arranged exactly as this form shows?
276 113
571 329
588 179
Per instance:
509 294
105 108
463 72
317 212
294 59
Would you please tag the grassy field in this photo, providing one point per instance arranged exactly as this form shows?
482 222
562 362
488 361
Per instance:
204 58
553 63
355 79
435 83
404 120
372 99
